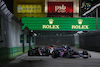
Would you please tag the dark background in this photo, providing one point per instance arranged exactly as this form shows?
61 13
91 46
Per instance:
9 4
93 3
0 25
59 38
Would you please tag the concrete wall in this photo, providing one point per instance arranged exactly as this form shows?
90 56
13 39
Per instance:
11 46
4 33
76 38
14 32
10 34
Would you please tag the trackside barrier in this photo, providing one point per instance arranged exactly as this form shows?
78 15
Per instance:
90 40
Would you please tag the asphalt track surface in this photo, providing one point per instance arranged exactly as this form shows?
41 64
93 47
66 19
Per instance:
43 61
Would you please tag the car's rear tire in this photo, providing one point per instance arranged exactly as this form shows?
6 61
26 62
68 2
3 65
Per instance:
30 53
54 54
85 53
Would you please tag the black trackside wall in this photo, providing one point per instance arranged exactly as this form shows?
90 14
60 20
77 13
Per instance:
90 40
47 40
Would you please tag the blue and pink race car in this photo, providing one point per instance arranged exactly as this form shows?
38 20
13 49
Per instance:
67 52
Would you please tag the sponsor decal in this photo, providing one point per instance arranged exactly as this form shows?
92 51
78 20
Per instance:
50 25
80 26
60 9
29 8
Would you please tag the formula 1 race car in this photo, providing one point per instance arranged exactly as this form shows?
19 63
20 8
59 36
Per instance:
39 51
69 53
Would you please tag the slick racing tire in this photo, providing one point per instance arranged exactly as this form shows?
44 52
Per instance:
30 53
47 52
85 54
54 54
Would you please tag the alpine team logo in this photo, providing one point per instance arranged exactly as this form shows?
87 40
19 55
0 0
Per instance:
80 26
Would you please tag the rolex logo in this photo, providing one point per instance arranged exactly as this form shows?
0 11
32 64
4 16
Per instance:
48 26
80 26
80 21
50 21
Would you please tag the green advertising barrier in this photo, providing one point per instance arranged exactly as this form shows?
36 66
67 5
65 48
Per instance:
22 38
60 24
28 38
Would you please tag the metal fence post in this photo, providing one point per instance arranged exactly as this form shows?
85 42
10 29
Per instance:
96 18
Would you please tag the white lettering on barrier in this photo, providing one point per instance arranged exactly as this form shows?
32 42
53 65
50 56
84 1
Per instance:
80 26
50 26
